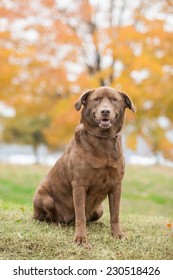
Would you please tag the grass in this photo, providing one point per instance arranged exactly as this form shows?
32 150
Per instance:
147 204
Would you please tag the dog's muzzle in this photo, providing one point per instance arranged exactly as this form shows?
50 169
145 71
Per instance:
105 123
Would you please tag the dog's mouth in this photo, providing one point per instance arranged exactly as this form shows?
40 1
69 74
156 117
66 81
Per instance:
105 123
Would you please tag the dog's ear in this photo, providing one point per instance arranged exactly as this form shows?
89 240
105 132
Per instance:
82 99
128 101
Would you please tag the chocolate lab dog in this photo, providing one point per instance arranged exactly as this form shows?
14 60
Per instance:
91 167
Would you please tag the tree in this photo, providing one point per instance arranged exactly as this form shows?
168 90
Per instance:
26 130
31 80
86 44
137 53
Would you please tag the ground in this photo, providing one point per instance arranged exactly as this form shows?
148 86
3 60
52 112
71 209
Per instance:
147 203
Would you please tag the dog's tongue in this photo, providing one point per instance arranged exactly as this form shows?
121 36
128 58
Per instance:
105 123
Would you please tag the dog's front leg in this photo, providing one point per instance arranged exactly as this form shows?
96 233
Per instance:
114 206
79 197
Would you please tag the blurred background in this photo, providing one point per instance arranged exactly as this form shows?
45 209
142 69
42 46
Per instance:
52 50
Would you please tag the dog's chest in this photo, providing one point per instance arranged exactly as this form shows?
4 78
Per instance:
103 154
101 180
101 162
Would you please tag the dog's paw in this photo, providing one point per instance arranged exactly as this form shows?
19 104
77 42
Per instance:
119 234
81 240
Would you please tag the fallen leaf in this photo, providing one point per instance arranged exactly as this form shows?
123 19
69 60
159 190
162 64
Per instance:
170 226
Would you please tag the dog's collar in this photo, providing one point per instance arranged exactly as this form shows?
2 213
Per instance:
103 136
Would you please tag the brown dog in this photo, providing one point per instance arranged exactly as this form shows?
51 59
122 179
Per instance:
91 167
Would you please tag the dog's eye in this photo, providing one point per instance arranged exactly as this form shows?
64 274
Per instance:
114 99
97 99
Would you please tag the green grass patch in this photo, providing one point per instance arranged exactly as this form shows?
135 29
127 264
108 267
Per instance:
146 190
18 183
146 208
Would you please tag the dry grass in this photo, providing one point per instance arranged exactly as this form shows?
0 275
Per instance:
147 204
23 238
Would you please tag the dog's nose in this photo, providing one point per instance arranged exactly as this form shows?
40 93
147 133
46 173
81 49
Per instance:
105 112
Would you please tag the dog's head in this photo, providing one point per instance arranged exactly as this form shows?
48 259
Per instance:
104 106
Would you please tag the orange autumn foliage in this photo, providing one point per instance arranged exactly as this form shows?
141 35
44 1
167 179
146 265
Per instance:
49 50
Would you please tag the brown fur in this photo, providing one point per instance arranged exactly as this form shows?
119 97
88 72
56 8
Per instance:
91 167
